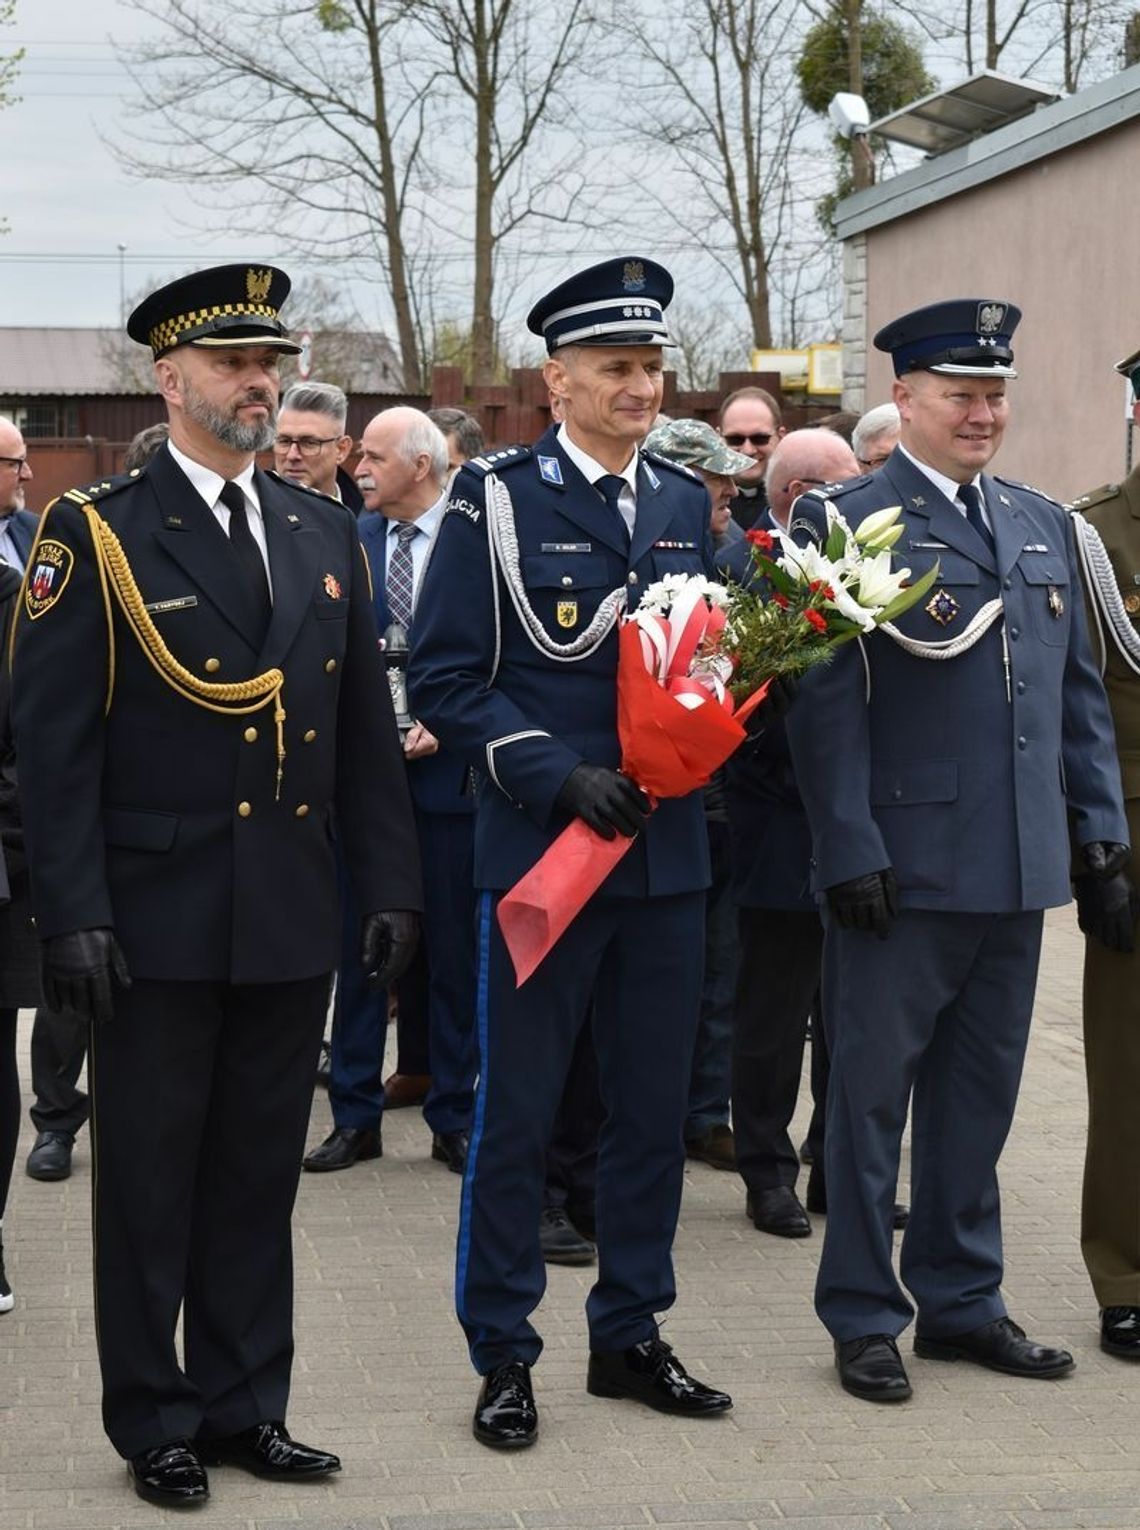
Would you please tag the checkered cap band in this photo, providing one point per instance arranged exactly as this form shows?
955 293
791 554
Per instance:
202 321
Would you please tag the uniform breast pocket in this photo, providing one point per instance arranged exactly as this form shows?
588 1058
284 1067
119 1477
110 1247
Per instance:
566 589
1048 596
675 560
953 598
330 610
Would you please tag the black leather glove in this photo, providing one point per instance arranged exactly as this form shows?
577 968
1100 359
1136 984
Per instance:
608 801
78 972
866 903
388 941
1104 858
778 698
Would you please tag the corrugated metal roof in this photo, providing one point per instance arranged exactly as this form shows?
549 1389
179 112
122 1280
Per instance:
40 360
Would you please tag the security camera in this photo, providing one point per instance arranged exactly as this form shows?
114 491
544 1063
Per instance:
849 115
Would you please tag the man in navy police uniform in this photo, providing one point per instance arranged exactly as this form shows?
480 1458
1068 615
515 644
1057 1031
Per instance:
518 677
199 702
937 794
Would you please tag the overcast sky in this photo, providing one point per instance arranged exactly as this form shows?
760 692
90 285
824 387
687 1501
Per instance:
67 203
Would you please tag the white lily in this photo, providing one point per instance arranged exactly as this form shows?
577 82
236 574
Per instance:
846 604
879 529
807 563
879 584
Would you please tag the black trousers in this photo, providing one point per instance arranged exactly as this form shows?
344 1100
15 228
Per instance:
201 1096
572 1156
777 987
59 1045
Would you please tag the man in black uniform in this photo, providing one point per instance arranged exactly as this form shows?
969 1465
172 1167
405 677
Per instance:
199 704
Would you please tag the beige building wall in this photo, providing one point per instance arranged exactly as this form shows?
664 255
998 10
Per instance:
1061 239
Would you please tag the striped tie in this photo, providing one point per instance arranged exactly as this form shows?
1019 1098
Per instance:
399 585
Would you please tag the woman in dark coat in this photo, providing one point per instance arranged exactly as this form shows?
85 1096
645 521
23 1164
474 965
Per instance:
19 950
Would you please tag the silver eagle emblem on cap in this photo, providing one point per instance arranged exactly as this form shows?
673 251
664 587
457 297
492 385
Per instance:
990 317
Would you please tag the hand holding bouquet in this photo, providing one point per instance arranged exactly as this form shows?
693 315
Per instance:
694 661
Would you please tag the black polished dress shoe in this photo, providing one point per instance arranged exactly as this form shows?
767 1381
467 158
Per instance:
1120 1332
999 1346
171 1475
50 1157
816 1200
450 1148
561 1241
778 1211
650 1373
344 1146
505 1415
267 1450
871 1367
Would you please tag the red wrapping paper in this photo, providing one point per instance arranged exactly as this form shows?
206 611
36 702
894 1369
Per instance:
669 749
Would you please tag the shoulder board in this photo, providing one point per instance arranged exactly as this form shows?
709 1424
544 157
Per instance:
304 488
101 490
1026 488
675 467
498 462
1095 497
838 490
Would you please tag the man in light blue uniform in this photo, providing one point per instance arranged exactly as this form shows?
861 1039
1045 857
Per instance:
938 796
518 676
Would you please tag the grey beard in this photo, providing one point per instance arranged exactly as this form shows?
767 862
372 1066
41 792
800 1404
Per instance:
230 432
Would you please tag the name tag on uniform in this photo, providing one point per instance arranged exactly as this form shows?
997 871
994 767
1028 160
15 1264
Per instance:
685 546
570 547
182 603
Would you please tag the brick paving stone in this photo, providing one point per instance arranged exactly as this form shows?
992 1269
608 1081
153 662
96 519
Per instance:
383 1378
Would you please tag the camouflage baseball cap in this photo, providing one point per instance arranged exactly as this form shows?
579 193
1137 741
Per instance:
694 444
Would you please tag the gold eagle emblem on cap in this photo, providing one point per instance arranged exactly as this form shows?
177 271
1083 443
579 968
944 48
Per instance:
257 285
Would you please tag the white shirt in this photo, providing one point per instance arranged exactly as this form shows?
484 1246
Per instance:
426 525
9 553
950 486
210 485
591 470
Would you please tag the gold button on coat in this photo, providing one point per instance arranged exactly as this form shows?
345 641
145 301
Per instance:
310 736
244 810
301 809
330 665
213 665
250 735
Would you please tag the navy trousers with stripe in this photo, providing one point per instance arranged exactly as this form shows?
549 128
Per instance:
641 961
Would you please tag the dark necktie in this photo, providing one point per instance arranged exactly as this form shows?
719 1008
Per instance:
609 486
399 582
248 556
970 496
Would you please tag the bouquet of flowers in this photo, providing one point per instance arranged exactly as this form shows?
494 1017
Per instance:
814 598
694 661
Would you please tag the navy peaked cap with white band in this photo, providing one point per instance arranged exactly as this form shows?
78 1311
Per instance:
965 337
619 302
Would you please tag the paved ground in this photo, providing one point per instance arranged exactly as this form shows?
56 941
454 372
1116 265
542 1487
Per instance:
382 1376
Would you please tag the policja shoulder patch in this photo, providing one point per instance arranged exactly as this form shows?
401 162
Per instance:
48 576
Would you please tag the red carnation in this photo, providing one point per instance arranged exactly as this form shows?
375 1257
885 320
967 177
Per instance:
764 540
817 621
781 601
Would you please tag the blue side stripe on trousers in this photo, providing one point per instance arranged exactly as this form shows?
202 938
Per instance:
463 1247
